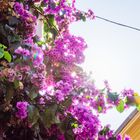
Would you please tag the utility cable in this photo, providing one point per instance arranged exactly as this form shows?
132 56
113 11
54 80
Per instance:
117 23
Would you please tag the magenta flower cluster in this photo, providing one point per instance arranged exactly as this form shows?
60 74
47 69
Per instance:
22 109
65 51
49 91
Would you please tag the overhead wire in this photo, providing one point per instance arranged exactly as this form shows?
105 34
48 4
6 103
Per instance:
117 23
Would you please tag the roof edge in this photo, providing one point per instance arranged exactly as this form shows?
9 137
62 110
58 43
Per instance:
126 121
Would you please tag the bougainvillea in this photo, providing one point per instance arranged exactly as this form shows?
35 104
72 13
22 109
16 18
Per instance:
44 93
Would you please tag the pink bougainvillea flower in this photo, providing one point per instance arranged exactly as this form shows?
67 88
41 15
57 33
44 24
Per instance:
22 109
22 51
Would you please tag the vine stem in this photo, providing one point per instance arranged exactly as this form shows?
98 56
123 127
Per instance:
35 8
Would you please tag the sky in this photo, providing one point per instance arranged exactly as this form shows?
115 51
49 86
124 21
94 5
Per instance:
113 52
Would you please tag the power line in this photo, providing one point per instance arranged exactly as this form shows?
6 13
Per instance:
117 23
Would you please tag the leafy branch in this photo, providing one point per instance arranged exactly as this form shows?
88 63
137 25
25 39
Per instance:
4 54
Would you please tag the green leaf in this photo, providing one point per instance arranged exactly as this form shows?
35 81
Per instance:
104 131
33 114
138 107
100 109
7 56
46 28
113 96
40 9
4 54
49 116
120 107
40 43
9 93
32 95
51 20
75 125
13 39
1 52
16 84
82 17
2 46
